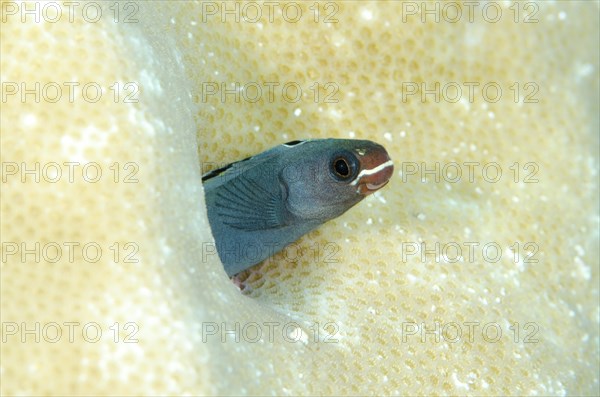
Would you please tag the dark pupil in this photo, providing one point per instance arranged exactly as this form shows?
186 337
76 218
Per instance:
341 167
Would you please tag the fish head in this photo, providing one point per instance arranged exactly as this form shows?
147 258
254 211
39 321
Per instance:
326 177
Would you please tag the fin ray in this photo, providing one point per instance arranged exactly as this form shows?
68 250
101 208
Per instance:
248 205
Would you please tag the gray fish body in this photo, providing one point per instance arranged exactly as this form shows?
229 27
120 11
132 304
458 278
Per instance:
257 206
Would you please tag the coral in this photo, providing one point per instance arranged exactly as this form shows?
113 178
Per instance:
355 307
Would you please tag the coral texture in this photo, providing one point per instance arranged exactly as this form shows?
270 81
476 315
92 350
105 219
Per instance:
137 303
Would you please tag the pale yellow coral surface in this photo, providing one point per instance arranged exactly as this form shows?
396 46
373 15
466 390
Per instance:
138 304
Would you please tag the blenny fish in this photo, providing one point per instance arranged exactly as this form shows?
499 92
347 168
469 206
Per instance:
259 205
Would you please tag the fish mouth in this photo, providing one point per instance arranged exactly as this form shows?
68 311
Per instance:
376 170
371 183
367 188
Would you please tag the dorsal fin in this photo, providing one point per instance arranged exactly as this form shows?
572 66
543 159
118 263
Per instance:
216 172
295 143
220 176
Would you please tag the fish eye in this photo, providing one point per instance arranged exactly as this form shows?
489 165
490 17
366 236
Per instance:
343 167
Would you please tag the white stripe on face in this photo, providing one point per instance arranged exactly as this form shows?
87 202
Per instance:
375 170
